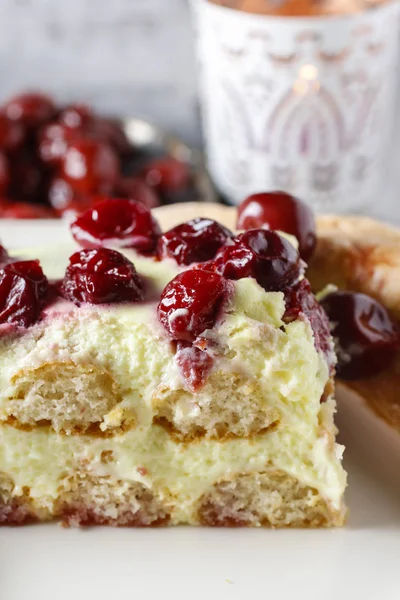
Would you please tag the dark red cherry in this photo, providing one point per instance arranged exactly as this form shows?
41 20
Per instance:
101 276
4 175
65 200
26 210
23 287
12 133
31 109
195 364
117 222
365 336
283 212
262 254
300 301
111 132
191 302
197 240
76 116
134 188
53 140
26 177
166 175
90 166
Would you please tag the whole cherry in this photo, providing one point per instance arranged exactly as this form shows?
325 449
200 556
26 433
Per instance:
90 166
23 287
262 254
197 240
117 222
191 302
101 276
283 212
365 336
31 109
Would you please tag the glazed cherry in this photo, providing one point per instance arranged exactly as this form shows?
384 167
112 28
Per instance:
23 287
111 132
262 254
11 133
191 302
31 110
64 199
134 188
195 364
76 116
283 212
365 336
300 301
197 240
166 175
90 166
117 222
26 210
4 175
101 276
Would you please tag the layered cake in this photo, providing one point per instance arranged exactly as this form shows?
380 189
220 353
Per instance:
151 378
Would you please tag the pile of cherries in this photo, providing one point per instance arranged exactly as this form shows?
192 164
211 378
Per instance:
211 257
56 160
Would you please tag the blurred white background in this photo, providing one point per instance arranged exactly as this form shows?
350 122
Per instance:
124 56
127 57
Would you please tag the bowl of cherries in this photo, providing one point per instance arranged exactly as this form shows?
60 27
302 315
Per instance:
56 161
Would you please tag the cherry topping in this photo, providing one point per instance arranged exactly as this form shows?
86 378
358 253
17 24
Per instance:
26 177
190 303
117 222
134 188
64 199
32 109
90 166
11 133
365 336
166 174
261 254
197 240
23 287
301 301
26 210
278 210
194 363
101 276
53 143
111 132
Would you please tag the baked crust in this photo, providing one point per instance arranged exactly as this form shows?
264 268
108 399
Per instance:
355 253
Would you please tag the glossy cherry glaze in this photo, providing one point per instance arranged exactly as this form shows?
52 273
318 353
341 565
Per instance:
65 200
301 301
90 166
195 364
134 188
191 302
197 240
117 222
31 109
366 338
53 140
101 276
283 212
262 254
76 116
23 287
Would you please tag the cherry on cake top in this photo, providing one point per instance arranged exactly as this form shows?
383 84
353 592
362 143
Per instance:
117 222
283 212
23 287
366 338
101 276
198 240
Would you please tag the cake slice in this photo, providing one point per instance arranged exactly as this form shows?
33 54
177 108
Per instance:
182 378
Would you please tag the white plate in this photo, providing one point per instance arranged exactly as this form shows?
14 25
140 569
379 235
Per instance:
358 562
